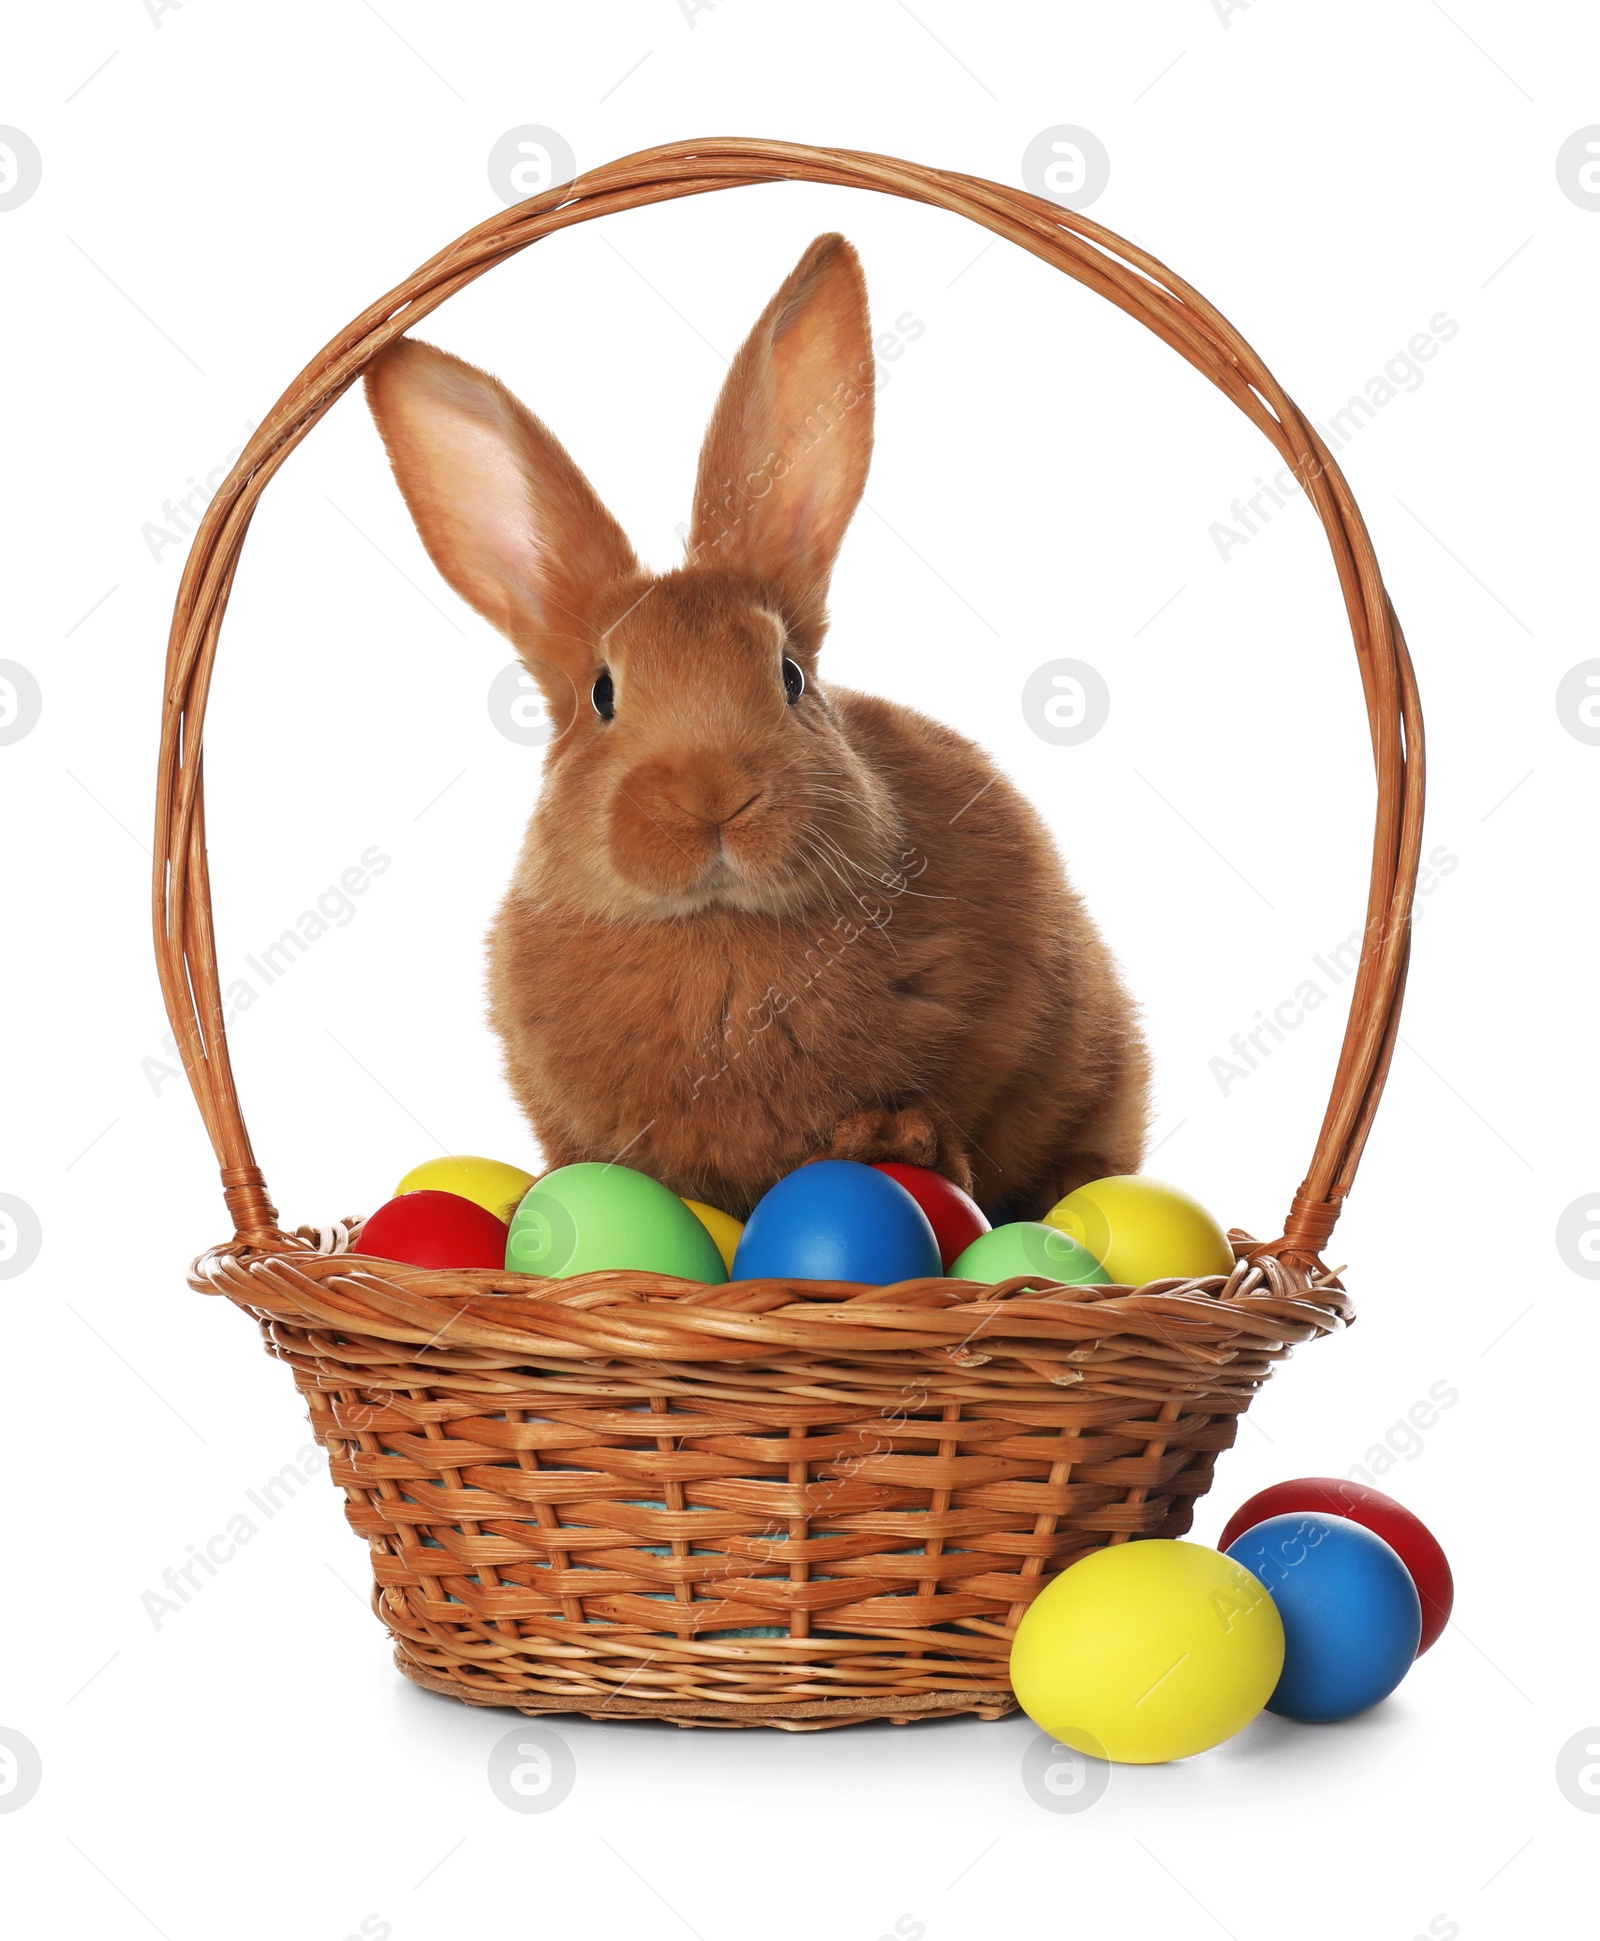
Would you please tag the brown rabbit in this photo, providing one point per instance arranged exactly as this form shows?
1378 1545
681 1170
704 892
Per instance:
757 919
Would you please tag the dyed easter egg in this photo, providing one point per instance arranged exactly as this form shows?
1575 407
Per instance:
835 1220
723 1228
1406 1534
490 1182
1027 1247
1351 1614
590 1217
1142 1230
1147 1651
432 1229
955 1216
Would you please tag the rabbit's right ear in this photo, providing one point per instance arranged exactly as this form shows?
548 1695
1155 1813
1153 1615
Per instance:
785 458
506 516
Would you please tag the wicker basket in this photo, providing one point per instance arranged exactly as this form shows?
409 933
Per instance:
763 1503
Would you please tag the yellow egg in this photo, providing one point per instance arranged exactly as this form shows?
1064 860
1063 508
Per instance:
487 1182
1148 1651
723 1228
1142 1230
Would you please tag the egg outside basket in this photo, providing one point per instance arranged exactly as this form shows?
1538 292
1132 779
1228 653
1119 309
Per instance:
764 1503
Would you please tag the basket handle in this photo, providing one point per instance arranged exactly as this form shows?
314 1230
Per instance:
1118 270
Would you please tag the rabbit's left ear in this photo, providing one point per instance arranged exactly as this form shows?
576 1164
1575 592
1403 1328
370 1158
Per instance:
506 516
785 458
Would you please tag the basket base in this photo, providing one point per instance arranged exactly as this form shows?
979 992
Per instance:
797 1715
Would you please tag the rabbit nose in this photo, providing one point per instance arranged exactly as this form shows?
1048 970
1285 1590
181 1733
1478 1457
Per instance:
748 803
713 811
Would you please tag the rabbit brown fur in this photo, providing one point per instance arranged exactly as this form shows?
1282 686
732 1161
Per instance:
750 926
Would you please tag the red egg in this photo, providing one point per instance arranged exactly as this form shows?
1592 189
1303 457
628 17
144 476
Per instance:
432 1229
953 1215
1405 1533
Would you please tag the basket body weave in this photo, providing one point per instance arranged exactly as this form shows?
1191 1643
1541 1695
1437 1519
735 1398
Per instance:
796 1504
792 1503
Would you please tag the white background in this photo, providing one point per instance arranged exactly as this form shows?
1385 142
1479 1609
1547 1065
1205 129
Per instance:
223 187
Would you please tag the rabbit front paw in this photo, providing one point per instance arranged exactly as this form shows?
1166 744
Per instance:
909 1136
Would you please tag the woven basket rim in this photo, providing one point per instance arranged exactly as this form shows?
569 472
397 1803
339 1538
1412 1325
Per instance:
1265 1301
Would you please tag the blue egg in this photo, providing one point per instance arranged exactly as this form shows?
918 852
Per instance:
1352 1619
836 1221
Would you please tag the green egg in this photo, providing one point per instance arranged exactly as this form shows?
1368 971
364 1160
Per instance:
587 1218
1027 1247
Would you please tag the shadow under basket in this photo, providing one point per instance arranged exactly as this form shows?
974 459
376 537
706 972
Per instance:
787 1503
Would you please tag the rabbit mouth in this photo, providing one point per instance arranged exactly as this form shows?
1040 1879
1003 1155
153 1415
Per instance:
789 879
721 881
726 879
754 862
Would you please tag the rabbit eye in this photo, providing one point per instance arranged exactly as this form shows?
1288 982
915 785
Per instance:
604 696
794 680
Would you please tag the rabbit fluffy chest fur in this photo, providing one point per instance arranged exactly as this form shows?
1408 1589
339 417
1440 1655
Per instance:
756 919
717 1052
